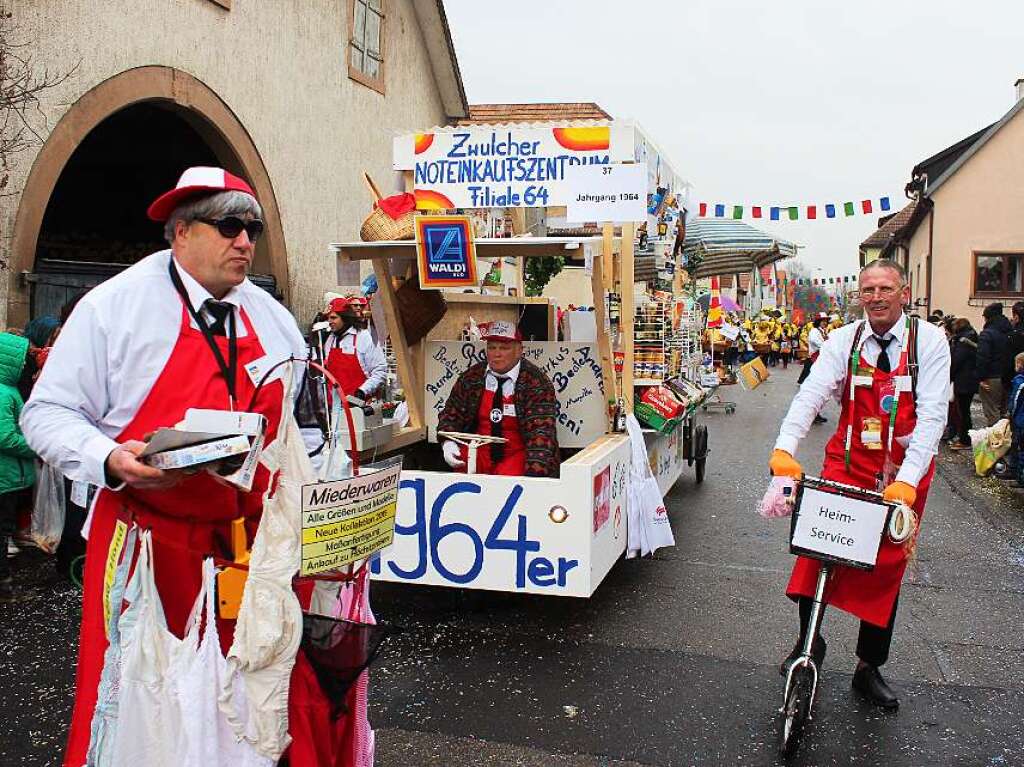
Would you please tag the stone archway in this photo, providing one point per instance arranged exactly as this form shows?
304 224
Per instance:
192 101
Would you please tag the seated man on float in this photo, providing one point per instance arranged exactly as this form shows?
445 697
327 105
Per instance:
350 353
504 396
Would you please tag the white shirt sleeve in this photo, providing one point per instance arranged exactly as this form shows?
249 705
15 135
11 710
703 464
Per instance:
373 362
824 381
60 420
932 404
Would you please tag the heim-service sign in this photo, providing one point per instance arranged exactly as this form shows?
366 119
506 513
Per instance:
838 527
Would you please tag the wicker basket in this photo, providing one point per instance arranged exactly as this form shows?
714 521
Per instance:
380 226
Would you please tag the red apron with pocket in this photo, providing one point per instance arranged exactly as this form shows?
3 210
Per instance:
513 461
345 367
869 595
189 521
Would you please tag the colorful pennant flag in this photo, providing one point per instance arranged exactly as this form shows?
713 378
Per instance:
792 212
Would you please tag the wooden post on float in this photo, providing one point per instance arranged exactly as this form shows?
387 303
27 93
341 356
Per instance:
628 311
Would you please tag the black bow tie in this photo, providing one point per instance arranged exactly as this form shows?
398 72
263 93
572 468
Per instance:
219 311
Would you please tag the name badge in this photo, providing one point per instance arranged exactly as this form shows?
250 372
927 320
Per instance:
871 433
904 383
510 409
259 368
80 494
863 381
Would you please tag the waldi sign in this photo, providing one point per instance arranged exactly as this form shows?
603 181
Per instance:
445 252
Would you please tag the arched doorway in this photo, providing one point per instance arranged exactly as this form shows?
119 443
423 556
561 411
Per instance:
82 214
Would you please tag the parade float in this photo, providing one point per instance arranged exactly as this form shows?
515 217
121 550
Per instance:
641 354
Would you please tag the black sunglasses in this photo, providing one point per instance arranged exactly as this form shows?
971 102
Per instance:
232 226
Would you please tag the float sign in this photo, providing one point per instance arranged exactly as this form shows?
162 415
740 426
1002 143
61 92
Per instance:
445 252
506 166
613 193
838 527
348 520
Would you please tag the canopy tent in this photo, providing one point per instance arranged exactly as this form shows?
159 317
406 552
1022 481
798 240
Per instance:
728 246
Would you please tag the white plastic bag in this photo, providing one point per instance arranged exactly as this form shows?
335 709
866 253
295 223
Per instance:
269 625
200 672
647 524
148 714
778 498
48 509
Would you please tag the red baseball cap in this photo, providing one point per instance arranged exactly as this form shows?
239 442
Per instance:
500 330
340 305
196 182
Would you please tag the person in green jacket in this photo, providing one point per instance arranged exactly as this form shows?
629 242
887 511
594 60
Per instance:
17 464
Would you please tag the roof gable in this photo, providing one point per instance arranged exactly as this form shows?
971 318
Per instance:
494 114
971 149
891 228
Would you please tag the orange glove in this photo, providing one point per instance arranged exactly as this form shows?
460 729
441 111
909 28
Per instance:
782 464
900 492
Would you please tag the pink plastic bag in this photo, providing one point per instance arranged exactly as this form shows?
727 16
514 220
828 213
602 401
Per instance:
778 499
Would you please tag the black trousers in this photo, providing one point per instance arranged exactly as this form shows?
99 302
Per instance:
8 526
963 407
872 642
805 372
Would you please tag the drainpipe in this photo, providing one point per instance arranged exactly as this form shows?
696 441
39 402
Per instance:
928 266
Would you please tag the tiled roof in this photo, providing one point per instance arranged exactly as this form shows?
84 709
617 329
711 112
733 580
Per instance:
891 228
556 112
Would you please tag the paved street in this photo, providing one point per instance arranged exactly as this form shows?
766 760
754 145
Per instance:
674 661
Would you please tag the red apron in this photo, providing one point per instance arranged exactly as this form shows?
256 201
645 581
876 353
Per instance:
513 462
188 521
869 595
345 367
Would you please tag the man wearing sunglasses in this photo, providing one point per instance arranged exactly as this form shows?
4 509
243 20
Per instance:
183 328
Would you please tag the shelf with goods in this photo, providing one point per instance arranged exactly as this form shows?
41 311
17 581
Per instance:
652 342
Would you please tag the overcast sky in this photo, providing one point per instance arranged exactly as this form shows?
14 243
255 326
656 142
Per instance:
768 101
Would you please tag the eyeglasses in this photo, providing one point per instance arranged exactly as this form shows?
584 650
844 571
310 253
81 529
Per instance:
232 226
884 292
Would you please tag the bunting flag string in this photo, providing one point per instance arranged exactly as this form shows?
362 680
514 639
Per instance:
850 280
793 212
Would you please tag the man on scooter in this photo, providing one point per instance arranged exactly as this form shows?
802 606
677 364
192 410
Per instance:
891 375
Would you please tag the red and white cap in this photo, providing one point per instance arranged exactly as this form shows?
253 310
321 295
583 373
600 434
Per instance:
196 182
500 330
341 305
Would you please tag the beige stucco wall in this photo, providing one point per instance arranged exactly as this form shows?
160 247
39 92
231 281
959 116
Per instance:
280 67
979 208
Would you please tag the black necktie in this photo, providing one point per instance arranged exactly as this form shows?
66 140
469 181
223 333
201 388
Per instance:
498 404
219 311
883 355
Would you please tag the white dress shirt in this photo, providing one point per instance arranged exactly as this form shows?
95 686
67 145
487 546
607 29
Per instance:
111 351
370 355
491 380
828 374
815 338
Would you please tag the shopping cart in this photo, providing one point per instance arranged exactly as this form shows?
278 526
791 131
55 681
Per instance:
836 524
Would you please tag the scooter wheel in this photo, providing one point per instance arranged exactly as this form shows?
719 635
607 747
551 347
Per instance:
795 712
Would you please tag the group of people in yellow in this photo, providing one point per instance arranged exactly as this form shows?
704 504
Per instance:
772 336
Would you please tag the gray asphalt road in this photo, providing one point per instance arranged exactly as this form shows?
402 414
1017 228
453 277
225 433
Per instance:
674 661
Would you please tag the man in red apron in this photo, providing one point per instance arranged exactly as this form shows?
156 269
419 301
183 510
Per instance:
350 352
891 376
183 328
504 396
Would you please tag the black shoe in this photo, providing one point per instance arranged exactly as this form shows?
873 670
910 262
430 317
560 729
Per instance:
869 683
820 419
818 650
